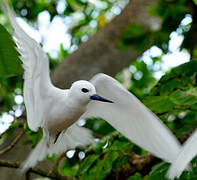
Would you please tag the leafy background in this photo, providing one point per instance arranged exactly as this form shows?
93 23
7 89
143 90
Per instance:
173 97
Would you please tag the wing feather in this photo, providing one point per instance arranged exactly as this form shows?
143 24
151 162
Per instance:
131 118
188 152
71 138
36 66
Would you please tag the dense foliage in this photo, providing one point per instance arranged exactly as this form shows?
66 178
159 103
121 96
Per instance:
173 98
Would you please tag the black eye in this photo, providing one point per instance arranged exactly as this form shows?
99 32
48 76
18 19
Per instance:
84 90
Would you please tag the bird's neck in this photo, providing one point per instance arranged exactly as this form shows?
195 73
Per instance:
77 103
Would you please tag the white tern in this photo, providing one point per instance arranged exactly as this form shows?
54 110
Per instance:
56 111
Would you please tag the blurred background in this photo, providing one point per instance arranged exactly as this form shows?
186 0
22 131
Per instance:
150 46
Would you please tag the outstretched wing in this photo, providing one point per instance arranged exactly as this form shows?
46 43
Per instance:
131 118
36 76
188 152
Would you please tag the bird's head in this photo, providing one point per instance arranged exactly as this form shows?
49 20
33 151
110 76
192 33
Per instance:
84 91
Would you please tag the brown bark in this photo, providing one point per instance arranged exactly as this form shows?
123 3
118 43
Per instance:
99 54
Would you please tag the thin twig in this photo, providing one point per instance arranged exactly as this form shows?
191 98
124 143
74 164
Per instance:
13 143
56 164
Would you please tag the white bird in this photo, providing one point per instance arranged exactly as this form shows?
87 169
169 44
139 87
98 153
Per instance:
188 152
56 111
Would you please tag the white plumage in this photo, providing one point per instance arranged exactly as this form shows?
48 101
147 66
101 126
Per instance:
188 152
56 111
130 117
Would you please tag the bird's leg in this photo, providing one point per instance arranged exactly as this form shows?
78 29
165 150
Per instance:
58 134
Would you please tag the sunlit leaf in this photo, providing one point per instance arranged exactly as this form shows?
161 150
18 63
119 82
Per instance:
188 97
195 1
159 104
10 64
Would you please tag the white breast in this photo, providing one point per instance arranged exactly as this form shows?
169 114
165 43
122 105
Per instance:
61 116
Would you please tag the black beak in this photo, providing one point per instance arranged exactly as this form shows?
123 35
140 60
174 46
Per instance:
99 98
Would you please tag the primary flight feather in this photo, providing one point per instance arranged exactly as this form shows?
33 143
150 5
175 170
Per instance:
56 111
188 152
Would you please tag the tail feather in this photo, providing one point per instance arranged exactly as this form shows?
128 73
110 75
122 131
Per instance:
38 154
71 138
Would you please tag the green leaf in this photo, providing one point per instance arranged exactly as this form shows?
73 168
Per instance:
188 97
159 104
102 167
159 172
194 107
85 165
137 176
187 69
131 36
172 84
195 1
10 64
51 158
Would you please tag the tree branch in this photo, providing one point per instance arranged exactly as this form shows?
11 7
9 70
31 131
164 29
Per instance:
36 170
100 53
13 143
